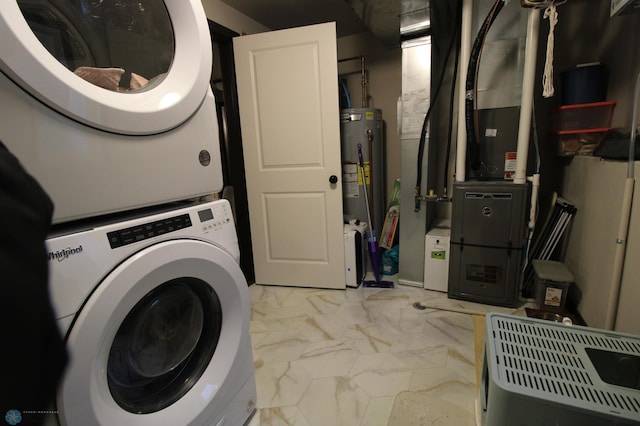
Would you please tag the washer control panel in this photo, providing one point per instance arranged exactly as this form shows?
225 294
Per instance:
214 217
211 217
133 234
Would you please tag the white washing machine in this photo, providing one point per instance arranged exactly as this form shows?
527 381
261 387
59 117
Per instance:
107 103
155 312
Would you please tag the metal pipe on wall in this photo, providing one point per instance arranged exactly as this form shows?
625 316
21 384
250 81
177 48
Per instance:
363 83
363 77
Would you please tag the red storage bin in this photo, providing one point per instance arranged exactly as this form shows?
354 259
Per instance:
597 115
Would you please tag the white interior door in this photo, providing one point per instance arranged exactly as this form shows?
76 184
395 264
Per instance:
288 97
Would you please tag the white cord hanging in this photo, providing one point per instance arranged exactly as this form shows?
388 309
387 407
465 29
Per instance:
547 78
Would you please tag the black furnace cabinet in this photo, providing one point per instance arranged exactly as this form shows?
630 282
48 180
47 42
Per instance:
488 234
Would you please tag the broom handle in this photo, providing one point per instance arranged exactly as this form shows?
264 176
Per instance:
364 183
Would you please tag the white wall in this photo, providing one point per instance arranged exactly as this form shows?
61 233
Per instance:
594 185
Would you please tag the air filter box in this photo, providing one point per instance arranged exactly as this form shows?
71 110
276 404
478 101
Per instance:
538 372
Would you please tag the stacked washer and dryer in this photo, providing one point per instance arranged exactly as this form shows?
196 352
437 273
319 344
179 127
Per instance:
108 105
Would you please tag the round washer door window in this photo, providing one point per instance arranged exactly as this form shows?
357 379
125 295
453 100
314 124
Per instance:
164 345
156 340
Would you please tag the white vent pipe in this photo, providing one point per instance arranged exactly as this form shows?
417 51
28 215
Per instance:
528 83
463 64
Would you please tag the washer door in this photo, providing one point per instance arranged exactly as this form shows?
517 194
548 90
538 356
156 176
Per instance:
157 339
132 68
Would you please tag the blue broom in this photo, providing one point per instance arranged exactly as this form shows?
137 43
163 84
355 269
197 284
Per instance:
371 236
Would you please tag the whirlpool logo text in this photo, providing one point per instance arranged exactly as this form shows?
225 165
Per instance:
63 254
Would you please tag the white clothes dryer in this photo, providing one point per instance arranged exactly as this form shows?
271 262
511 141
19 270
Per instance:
155 312
107 103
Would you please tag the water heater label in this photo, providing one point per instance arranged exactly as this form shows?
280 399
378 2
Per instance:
366 175
350 180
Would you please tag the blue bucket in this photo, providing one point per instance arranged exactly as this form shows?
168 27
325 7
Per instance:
584 84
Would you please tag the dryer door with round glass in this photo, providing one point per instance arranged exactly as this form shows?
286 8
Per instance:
128 67
107 103
163 339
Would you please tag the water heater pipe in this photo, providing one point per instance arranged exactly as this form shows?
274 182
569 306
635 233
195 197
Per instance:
528 83
363 77
465 49
363 83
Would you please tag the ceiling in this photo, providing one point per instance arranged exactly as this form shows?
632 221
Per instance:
381 17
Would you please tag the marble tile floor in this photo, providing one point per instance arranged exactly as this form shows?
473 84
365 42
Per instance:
341 357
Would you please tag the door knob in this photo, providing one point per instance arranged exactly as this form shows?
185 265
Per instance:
333 179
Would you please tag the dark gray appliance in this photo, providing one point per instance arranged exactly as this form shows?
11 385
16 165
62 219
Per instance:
497 143
538 372
487 240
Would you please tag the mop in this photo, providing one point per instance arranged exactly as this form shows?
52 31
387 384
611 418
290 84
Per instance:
371 236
